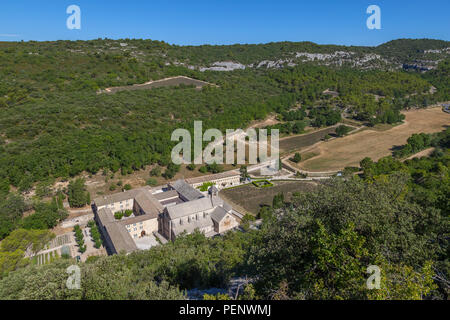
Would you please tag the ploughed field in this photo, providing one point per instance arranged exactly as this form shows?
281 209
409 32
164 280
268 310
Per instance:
252 198
349 151
290 144
168 82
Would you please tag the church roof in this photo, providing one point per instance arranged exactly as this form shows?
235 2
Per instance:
186 191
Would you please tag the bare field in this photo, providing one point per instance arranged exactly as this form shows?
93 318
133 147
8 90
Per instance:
350 150
168 82
252 198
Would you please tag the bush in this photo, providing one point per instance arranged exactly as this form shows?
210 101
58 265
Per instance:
211 168
127 187
342 130
296 158
171 171
128 213
79 238
118 215
155 172
152 182
95 234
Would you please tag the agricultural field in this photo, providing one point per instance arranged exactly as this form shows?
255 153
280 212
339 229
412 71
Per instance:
298 142
168 82
252 198
350 150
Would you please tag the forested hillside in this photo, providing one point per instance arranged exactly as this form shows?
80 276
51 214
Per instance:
53 122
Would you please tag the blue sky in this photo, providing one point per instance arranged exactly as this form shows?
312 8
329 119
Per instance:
227 21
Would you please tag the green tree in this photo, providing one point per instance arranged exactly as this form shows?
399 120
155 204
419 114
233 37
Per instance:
320 246
342 130
77 194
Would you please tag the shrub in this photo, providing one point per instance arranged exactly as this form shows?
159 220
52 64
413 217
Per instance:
128 213
95 234
342 130
296 158
152 182
155 172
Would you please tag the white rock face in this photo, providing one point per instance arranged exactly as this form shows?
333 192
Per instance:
324 56
224 66
338 58
275 64
446 50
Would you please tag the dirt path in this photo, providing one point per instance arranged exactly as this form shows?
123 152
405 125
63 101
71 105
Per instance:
423 153
171 81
